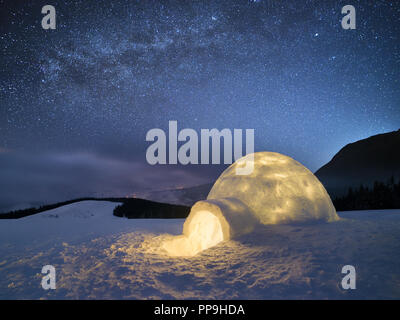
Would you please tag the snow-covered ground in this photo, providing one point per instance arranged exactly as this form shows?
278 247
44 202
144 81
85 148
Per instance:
99 256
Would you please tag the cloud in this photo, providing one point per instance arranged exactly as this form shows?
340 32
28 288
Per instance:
4 150
35 179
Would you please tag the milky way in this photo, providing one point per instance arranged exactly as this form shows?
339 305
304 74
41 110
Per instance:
111 71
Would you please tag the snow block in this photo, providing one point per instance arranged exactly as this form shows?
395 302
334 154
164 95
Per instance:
234 216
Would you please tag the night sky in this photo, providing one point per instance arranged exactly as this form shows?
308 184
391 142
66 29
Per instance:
76 102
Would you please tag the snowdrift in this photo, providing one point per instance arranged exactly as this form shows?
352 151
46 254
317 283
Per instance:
279 190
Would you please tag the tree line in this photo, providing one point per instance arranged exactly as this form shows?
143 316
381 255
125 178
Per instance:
129 208
382 195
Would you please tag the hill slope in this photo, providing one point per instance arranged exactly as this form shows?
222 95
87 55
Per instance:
125 207
185 196
376 158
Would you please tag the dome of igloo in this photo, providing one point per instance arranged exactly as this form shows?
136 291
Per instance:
263 187
278 190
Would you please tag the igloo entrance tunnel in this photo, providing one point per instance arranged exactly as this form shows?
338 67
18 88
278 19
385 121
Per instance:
279 190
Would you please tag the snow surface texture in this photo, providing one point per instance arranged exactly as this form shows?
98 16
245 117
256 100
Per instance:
278 190
99 256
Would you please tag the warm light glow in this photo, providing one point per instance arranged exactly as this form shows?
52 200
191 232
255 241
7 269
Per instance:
278 190
204 231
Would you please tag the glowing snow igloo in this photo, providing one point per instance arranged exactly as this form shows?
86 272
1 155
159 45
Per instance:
278 190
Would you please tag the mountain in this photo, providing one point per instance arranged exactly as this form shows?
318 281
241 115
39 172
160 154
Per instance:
363 162
124 207
183 196
376 158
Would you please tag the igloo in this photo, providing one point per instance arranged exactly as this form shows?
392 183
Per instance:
278 190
